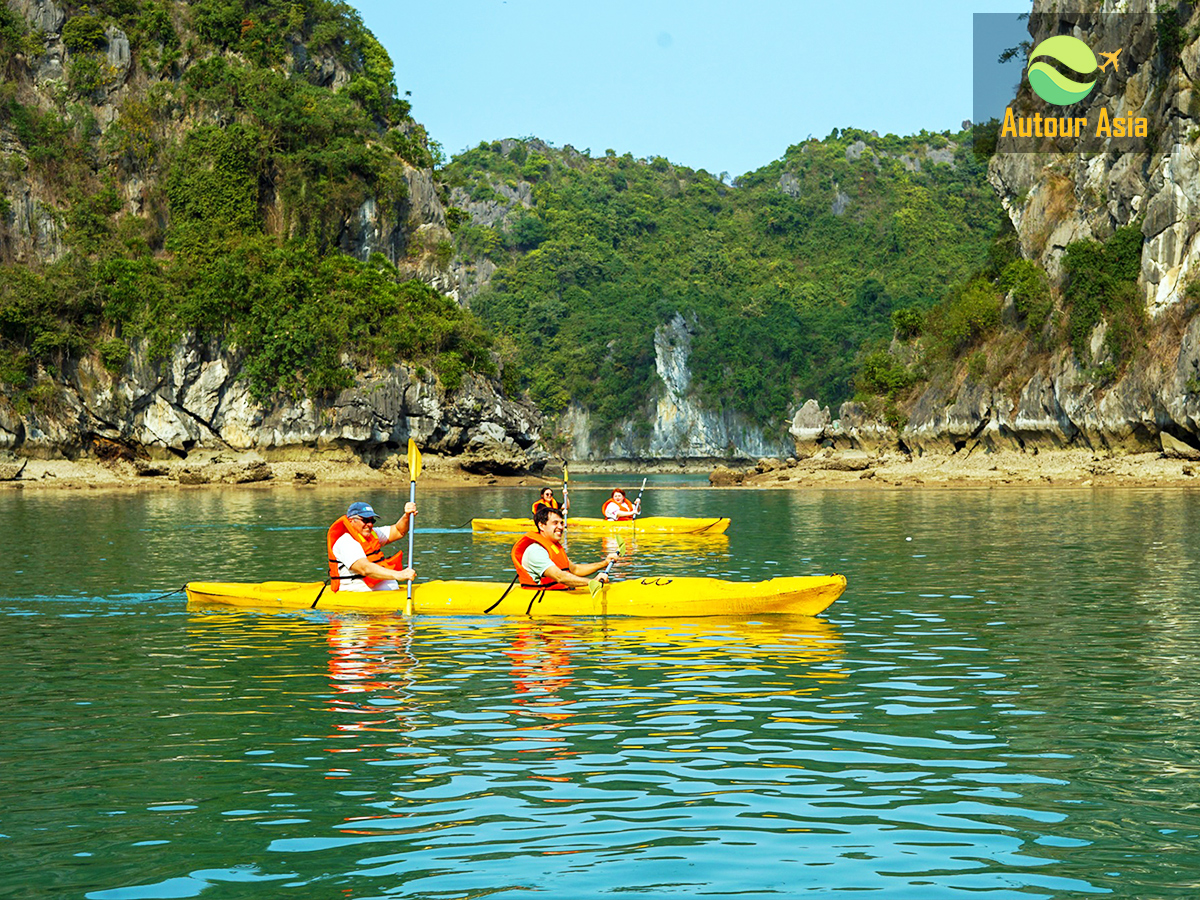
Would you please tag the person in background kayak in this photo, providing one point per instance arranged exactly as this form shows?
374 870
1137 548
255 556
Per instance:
547 500
617 508
541 561
355 548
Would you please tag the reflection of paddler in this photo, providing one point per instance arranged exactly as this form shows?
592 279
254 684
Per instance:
541 659
547 500
357 655
541 562
365 658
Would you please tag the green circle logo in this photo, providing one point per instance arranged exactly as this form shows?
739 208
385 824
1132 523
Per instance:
1048 83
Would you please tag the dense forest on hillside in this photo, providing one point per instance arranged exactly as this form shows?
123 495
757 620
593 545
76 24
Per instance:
255 130
784 275
252 165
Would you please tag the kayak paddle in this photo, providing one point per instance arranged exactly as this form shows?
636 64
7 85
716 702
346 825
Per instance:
566 478
637 504
414 470
595 584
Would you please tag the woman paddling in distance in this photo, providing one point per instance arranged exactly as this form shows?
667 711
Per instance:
617 508
355 549
546 499
541 562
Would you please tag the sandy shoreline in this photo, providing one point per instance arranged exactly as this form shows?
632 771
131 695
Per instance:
1055 468
827 469
233 470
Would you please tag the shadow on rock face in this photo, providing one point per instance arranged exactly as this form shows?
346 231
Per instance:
500 460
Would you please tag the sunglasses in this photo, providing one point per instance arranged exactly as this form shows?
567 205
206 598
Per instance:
365 520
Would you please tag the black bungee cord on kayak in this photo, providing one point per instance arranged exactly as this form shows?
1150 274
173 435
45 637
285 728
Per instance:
178 590
319 593
502 596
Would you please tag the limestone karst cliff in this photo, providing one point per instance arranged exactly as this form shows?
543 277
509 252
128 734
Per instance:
196 401
656 311
681 427
157 155
175 179
1101 378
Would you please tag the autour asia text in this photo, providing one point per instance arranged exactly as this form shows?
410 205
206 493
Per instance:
1038 125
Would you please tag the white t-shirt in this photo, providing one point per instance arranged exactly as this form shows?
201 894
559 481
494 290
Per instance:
536 559
347 551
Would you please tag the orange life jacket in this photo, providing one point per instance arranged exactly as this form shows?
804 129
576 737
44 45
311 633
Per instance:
558 556
539 503
625 509
370 545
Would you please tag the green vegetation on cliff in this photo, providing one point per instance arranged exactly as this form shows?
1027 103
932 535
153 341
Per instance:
252 167
249 136
968 327
782 277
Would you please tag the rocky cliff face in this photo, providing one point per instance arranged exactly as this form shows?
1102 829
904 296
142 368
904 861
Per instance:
1060 405
1055 199
680 426
194 400
508 201
472 275
406 232
675 424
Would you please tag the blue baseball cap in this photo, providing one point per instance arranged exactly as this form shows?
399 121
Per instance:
362 510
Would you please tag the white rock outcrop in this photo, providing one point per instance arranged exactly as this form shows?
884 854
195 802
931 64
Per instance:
680 426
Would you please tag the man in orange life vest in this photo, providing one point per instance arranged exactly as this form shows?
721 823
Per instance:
355 548
547 499
617 507
541 561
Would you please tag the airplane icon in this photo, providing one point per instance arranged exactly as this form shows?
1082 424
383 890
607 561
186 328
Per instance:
1111 58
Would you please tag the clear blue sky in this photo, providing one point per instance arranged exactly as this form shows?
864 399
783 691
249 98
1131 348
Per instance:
722 86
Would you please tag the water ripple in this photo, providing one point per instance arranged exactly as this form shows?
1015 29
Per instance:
991 708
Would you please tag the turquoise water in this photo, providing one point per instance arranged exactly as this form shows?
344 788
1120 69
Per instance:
1004 703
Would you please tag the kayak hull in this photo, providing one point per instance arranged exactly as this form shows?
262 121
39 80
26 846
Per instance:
647 525
654 597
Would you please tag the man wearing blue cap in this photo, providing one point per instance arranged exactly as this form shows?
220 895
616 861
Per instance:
355 546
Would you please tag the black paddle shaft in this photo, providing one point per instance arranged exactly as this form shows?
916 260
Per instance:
637 504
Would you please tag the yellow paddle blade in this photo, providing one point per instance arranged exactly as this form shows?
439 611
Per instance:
566 478
593 587
620 546
414 460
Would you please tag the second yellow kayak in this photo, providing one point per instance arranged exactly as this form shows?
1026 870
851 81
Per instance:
647 525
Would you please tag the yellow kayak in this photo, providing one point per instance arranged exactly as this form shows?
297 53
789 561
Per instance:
807 595
693 545
648 525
